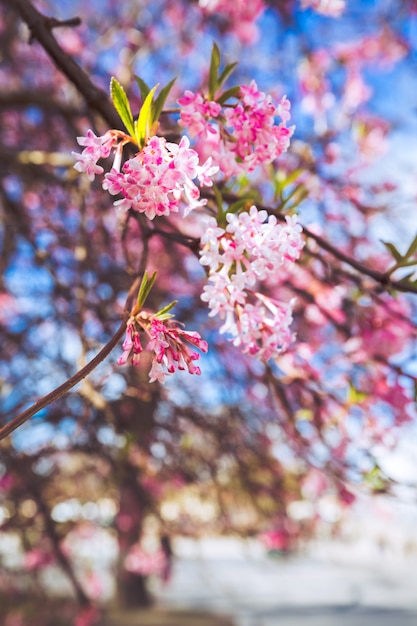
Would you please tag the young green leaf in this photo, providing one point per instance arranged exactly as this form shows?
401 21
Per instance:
233 92
297 195
121 104
144 121
214 70
239 204
145 288
395 253
143 87
158 105
219 199
406 280
226 73
406 263
412 248
163 314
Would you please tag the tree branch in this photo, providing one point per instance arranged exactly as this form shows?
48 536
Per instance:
66 386
379 277
40 28
82 373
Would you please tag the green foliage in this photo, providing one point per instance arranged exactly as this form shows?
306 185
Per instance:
217 78
233 92
149 113
145 288
157 105
214 70
121 104
403 260
288 193
376 479
143 87
144 122
163 314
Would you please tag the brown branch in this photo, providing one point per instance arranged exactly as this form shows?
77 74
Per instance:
40 28
53 22
379 277
66 386
41 98
78 376
61 557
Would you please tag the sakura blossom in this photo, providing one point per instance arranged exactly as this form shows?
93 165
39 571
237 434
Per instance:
197 113
96 148
145 563
172 348
253 246
156 181
240 14
239 138
332 8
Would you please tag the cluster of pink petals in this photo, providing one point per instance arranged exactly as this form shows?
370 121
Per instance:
240 14
264 327
253 247
197 112
240 137
168 343
384 47
95 148
140 562
156 181
332 8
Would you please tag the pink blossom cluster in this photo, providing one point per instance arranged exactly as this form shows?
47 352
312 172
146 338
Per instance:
156 181
198 113
385 47
253 247
240 14
240 137
315 87
96 148
332 8
168 343
385 329
140 562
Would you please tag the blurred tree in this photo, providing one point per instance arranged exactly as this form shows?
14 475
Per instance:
320 373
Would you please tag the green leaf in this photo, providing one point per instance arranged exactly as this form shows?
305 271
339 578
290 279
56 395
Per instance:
287 180
233 92
160 100
376 479
214 70
163 314
145 288
121 104
304 414
395 253
297 195
144 121
412 248
143 87
239 204
405 280
355 396
226 73
407 263
219 199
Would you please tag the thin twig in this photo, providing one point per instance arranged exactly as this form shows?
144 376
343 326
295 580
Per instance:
40 28
379 277
78 376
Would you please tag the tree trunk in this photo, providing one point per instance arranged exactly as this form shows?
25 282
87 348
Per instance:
133 591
